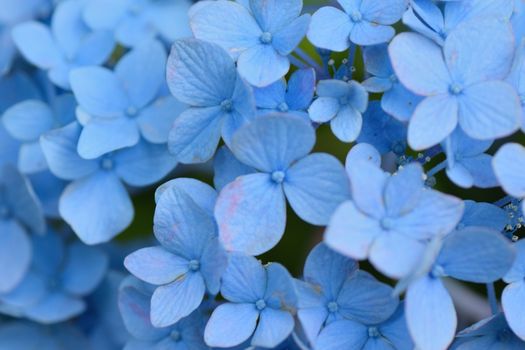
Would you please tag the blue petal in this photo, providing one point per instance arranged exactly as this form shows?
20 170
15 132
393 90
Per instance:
347 124
191 60
476 254
35 42
195 134
28 292
142 72
481 169
430 314
272 143
176 300
280 291
202 194
343 334
227 168
84 269
403 190
106 207
156 120
507 164
489 110
156 265
262 65
274 327
384 12
371 33
512 302
301 87
485 215
230 324
315 186
364 299
60 149
227 24
27 120
323 109
362 152
243 110
143 164
99 91
399 102
100 136
99 14
330 29
214 262
244 280
367 183
288 38
251 214
133 30
56 307
433 120
271 96
377 61
31 159
15 255
396 331
419 64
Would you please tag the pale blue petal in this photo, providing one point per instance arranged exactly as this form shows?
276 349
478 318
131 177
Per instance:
376 84
84 269
433 120
301 87
227 24
99 14
243 110
323 109
367 183
142 72
176 300
60 149
508 164
343 334
460 175
202 194
458 12
251 214
489 110
35 42
485 215
31 159
133 30
419 64
430 314
156 120
56 307
96 48
213 263
481 169
181 226
27 120
227 168
244 280
262 65
330 29
272 143
288 38
280 291
272 15
315 186
143 164
400 103
106 207
383 12
347 124
274 327
200 73
195 134
371 33
156 265
99 91
476 254
362 152
514 308
403 190
103 135
350 232
15 255
230 324
269 97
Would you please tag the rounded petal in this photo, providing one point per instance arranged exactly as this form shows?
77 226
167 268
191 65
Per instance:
29 119
514 308
35 42
156 120
262 65
56 307
230 324
156 265
371 33
347 124
15 255
330 29
345 334
508 164
244 280
323 109
84 269
273 328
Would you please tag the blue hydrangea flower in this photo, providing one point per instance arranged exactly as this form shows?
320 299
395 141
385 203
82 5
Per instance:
458 87
60 276
14 12
97 188
134 303
28 120
259 37
490 333
203 76
391 334
474 254
341 103
508 164
334 289
390 218
190 260
514 294
294 97
251 211
426 17
123 105
260 302
134 22
467 163
396 100
362 22
67 44
20 214
382 131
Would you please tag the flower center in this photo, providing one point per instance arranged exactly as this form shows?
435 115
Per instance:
393 78
175 335
438 271
107 163
356 16
332 306
260 304
283 107
387 223
399 147
194 265
373 332
455 89
227 105
131 111
278 176
266 38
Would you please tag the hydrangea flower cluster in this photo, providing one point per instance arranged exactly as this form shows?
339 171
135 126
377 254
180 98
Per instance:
392 130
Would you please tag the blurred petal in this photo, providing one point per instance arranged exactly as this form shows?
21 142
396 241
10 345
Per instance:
514 308
84 269
15 255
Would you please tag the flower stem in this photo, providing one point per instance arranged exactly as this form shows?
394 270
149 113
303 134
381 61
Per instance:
491 294
437 168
